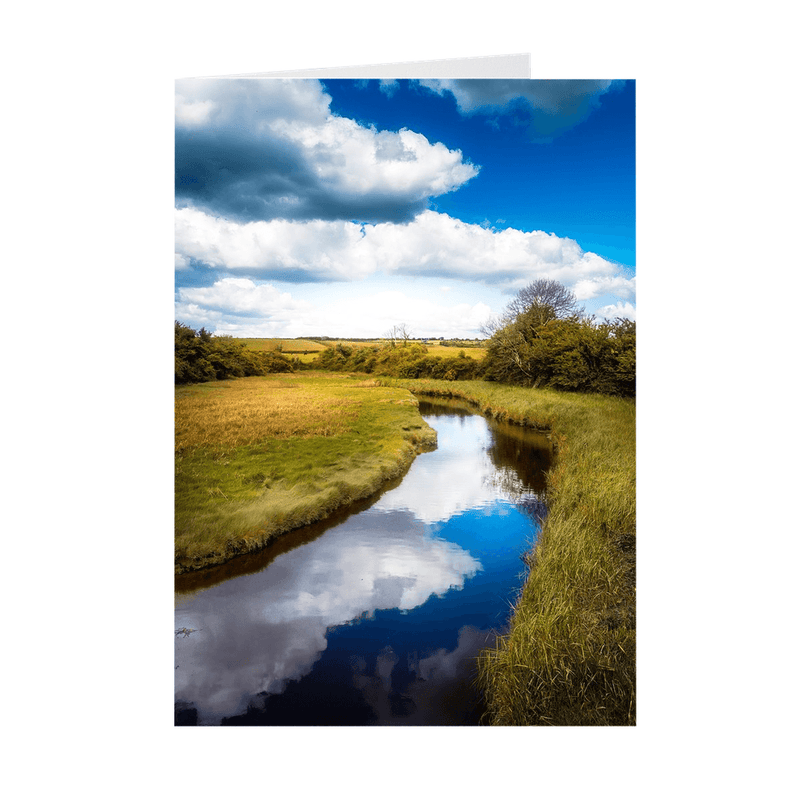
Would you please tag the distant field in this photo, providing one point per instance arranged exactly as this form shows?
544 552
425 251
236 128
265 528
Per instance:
304 349
286 345
434 347
307 349
453 350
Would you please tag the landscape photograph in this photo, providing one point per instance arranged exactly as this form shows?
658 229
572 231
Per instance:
405 402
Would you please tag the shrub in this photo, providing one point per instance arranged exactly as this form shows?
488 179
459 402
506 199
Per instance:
404 361
201 357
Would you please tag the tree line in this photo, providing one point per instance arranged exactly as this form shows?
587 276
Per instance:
409 360
543 338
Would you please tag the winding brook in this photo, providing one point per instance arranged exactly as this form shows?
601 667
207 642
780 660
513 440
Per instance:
375 616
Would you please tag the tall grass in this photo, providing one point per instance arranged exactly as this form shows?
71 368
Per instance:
241 412
569 655
258 456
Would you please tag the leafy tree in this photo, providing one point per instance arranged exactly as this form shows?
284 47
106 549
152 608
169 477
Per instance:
191 356
544 339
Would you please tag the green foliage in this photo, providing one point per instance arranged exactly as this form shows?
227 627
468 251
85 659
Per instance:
572 354
403 361
201 357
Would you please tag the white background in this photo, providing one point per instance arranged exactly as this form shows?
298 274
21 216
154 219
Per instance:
88 298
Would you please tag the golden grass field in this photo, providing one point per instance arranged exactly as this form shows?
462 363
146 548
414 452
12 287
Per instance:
305 350
258 456
247 411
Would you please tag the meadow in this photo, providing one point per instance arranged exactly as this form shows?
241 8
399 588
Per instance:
306 350
569 655
261 455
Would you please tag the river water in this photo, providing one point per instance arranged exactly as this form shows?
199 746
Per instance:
374 617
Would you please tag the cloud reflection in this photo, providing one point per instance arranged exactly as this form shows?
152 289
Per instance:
458 476
258 632
427 699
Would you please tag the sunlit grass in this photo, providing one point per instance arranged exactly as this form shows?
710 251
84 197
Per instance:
247 410
283 345
304 350
476 353
255 457
569 656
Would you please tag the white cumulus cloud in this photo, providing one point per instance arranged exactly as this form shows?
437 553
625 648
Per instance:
621 310
241 307
433 244
617 285
272 149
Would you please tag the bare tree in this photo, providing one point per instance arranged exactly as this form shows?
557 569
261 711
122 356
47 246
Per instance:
550 297
398 332
490 327
545 299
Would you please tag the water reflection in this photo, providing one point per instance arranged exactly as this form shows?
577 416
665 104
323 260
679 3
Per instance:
262 630
378 620
454 478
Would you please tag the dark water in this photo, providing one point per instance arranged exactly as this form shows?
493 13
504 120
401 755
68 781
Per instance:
375 618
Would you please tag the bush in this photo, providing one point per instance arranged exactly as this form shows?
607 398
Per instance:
201 357
575 354
405 361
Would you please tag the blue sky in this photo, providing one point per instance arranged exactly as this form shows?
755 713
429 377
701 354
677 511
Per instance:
344 207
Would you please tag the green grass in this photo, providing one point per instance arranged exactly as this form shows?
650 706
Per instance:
569 656
256 457
305 350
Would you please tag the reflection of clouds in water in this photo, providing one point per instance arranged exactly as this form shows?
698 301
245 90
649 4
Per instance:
440 676
452 479
450 663
385 664
380 567
256 633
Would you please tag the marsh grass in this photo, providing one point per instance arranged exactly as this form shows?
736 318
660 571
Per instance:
258 456
569 655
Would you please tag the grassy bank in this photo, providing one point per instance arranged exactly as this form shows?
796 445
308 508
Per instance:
569 657
258 456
